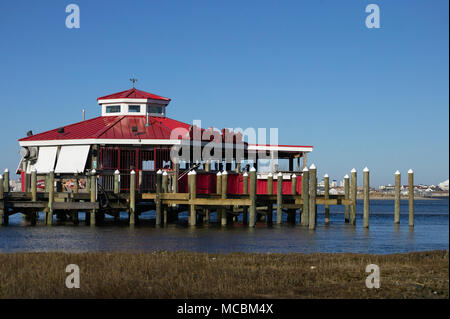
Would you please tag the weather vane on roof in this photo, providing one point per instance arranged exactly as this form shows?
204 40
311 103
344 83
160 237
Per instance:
133 80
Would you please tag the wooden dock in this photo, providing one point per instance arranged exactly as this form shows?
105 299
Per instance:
168 204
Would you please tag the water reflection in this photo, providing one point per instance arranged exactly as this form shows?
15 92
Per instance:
430 232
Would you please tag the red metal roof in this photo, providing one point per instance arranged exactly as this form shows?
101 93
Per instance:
133 94
113 127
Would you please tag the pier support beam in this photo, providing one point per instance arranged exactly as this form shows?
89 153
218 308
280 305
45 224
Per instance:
2 196
312 197
411 197
279 197
51 198
93 183
132 210
252 222
292 212
304 217
237 167
326 179
245 192
117 182
75 183
33 185
33 195
397 197
165 189
6 181
347 196
353 194
219 192
192 180
207 211
224 196
366 190
270 192
159 189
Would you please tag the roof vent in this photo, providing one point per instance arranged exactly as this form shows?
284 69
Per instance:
61 130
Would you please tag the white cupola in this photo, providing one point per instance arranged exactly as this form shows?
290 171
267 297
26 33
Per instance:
133 102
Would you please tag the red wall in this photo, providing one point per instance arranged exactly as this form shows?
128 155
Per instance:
206 184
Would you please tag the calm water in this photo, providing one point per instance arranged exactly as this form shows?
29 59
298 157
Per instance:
431 231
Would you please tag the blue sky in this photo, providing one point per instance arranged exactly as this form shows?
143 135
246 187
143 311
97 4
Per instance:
375 97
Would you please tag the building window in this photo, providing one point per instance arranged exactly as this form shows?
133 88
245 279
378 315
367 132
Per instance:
134 109
151 109
148 165
113 109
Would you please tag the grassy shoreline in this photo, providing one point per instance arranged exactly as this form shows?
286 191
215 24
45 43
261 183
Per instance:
234 275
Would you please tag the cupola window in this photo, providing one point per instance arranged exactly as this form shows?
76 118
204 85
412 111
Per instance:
154 110
134 109
113 109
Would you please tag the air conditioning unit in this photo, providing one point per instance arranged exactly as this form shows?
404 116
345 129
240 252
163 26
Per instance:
29 152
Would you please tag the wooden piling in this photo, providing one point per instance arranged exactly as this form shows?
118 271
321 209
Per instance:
192 179
207 211
270 192
270 184
165 189
294 184
33 195
245 192
353 194
279 197
159 189
47 187
397 197
2 196
93 191
75 183
326 180
312 197
6 181
51 197
219 192
27 182
292 212
366 191
224 196
252 222
33 185
347 196
140 181
117 182
132 209
175 177
411 197
207 166
304 217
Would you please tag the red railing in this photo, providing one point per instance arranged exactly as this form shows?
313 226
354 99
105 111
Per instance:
207 183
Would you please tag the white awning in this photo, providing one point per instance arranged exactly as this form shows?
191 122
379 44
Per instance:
46 159
72 159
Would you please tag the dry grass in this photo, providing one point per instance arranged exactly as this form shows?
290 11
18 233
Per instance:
236 275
